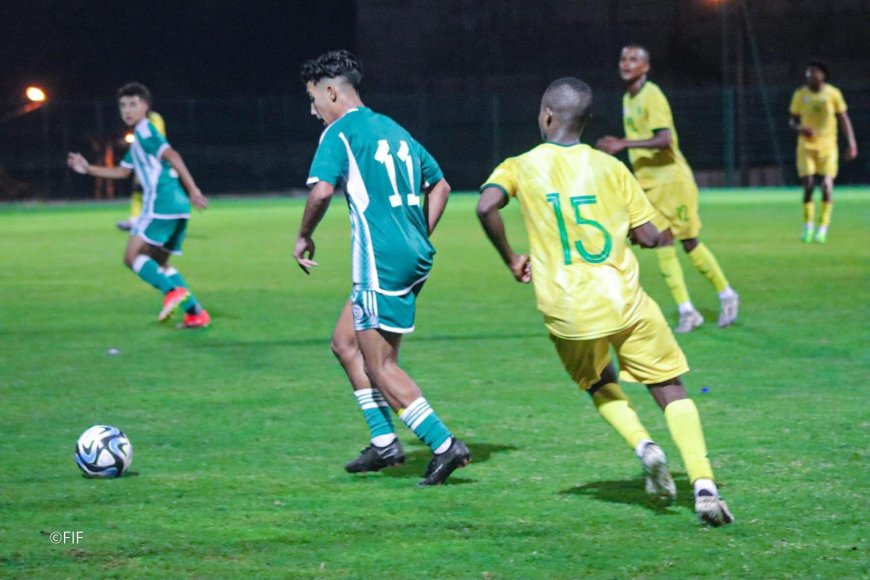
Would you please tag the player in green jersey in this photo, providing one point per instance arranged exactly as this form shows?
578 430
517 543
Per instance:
396 193
160 229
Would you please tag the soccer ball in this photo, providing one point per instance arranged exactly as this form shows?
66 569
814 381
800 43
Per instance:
103 451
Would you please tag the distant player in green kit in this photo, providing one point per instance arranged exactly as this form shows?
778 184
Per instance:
396 194
160 229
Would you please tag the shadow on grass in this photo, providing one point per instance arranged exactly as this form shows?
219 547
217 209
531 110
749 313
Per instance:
631 492
417 460
324 341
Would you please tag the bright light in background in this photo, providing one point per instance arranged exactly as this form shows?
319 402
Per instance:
128 138
35 94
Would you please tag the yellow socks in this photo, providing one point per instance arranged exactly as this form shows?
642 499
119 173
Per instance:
672 272
827 208
135 205
616 409
707 265
809 214
684 424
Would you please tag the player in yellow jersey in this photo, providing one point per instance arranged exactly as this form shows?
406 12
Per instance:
815 110
136 196
654 151
580 208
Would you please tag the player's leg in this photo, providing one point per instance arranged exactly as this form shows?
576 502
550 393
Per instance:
588 363
195 316
135 212
385 449
809 207
672 272
380 322
827 208
648 353
135 205
686 227
806 167
829 163
137 257
708 266
669 216
615 407
684 424
381 353
589 366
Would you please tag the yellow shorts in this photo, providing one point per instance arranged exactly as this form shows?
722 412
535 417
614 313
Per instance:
676 204
647 351
818 161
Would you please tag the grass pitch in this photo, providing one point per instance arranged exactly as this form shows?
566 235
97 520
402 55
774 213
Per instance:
240 431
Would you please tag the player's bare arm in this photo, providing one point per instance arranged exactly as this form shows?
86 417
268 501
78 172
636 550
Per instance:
174 159
435 203
851 143
492 199
79 164
795 123
661 139
315 209
645 235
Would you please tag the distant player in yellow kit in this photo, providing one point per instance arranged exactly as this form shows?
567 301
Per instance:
136 196
580 208
664 174
815 110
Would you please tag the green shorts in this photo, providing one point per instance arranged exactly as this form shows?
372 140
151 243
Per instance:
163 233
390 313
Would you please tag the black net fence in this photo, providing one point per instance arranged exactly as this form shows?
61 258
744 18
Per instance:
264 145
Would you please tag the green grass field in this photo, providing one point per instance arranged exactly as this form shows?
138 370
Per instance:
241 431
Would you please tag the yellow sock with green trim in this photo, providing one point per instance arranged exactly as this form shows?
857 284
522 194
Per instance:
684 423
809 213
135 205
827 208
672 272
616 409
707 265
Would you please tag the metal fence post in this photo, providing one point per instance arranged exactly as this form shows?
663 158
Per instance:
728 145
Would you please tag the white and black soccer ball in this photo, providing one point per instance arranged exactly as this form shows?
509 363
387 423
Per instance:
104 451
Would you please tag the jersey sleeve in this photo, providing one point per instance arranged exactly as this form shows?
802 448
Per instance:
839 102
127 161
795 107
330 160
659 112
430 171
504 177
151 140
640 210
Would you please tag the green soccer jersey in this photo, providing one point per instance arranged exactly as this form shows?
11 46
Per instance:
162 193
383 171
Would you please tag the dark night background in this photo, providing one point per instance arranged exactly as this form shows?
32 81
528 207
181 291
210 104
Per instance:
464 76
87 49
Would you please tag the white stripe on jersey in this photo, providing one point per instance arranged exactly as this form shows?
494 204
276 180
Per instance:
148 171
363 252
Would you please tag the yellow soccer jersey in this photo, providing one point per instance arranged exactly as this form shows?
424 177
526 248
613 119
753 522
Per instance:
642 115
818 111
578 205
157 121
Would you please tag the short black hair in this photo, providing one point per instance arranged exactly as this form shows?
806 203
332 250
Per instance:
570 99
639 47
331 65
134 89
819 64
